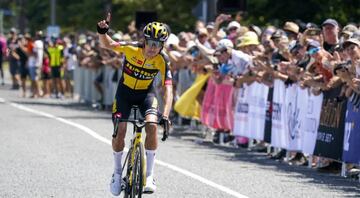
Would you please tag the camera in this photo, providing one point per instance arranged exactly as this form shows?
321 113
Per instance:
194 51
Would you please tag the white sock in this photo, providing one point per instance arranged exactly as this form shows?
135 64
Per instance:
150 161
117 162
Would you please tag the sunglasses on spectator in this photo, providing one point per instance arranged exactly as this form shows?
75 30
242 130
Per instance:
232 29
153 43
313 50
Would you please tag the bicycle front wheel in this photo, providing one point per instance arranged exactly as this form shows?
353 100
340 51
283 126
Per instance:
137 173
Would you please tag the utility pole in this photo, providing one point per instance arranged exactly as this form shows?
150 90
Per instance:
53 12
1 22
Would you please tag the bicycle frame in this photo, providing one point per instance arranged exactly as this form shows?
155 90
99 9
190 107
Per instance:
132 154
136 141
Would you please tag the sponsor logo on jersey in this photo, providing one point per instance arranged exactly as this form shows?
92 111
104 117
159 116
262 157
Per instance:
140 62
139 73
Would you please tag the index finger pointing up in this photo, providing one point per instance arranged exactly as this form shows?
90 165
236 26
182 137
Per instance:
108 18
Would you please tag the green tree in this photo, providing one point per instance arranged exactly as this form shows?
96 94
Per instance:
77 15
263 12
173 12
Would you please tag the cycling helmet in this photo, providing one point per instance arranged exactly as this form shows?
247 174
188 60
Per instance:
156 31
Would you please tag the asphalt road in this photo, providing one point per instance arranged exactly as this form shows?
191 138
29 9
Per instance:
60 148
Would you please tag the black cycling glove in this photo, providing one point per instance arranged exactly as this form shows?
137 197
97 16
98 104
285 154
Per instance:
165 123
102 30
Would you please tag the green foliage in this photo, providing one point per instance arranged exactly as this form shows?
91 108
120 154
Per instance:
263 12
173 12
77 15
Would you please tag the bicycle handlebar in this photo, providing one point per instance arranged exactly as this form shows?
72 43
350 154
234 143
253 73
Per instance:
165 126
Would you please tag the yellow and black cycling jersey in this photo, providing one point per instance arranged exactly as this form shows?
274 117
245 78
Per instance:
138 73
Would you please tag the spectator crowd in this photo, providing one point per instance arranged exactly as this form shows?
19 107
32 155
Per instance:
319 57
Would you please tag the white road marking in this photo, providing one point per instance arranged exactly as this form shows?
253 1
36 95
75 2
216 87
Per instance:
79 126
106 141
2 100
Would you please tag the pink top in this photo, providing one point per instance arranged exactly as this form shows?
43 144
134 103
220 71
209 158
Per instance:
3 42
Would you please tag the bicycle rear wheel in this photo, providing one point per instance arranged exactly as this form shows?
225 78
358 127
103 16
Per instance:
137 173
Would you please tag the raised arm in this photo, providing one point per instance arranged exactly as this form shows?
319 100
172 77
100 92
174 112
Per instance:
102 28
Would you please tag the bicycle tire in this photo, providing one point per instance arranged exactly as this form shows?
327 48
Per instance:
127 190
138 176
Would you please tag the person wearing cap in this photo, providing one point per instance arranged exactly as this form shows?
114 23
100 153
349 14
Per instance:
330 30
280 53
352 48
210 27
232 62
255 29
348 31
233 26
233 29
291 29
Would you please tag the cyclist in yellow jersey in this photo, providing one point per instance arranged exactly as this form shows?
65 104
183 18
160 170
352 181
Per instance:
141 65
56 59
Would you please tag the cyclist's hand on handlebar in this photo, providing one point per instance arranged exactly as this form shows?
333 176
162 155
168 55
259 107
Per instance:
165 123
103 25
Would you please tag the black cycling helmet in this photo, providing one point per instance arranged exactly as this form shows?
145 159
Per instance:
156 31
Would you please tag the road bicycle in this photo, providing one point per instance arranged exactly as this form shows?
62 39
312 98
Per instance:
135 179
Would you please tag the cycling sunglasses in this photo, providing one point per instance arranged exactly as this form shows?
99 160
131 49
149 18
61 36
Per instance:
153 43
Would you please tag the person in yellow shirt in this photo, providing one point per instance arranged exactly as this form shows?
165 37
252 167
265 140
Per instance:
56 59
142 62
